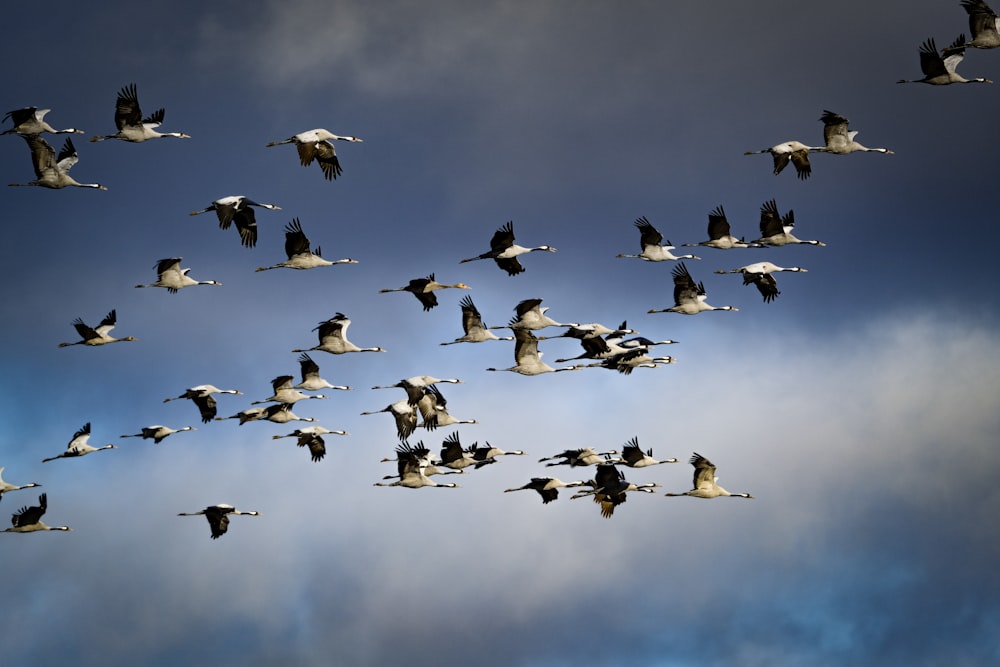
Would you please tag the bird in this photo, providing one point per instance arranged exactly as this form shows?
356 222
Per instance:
413 469
718 233
434 411
610 488
202 397
527 358
284 392
333 337
776 230
99 335
317 145
840 140
158 432
31 120
651 242
453 456
592 330
237 209
311 437
29 519
583 456
762 267
423 289
765 283
247 415
414 386
505 252
170 275
689 297
405 416
472 325
939 69
281 413
300 256
52 171
634 457
705 481
218 517
488 454
78 445
984 26
547 487
627 361
132 127
792 151
530 315
311 381
5 487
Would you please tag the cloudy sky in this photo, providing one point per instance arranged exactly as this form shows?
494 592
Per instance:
859 408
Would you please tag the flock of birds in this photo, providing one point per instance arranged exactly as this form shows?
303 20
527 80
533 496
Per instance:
424 406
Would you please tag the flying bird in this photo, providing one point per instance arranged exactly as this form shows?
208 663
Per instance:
546 487
505 252
405 416
583 456
424 288
527 358
529 314
31 120
284 392
840 140
792 151
318 145
610 488
311 380
634 457
472 325
78 445
218 517
413 467
6 488
29 519
415 386
776 230
202 397
100 335
131 125
170 275
689 297
158 432
983 25
238 210
299 253
52 171
939 69
333 337
653 248
719 233
312 438
705 481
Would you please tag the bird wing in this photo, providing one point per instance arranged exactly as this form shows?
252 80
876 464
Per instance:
770 220
207 405
685 289
800 159
503 238
168 265
154 119
85 331
765 283
718 224
648 234
246 224
704 472
296 242
309 367
953 54
326 155
43 156
127 111
27 516
107 324
834 128
67 156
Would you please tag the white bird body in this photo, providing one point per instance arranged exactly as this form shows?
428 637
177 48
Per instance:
333 337
653 248
317 145
171 276
52 171
132 127
79 446
158 432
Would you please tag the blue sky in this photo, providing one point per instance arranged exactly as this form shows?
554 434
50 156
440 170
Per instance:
859 408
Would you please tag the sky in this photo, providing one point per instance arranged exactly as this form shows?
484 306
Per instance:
859 408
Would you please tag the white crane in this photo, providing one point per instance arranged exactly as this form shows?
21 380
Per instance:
201 395
472 325
31 120
527 358
689 297
983 25
719 235
299 253
79 446
547 487
653 248
311 381
792 151
424 288
840 140
218 517
131 125
158 432
610 488
52 171
634 457
705 481
939 69
505 252
528 314
318 145
99 335
170 275
6 488
238 210
333 337
284 392
29 519
776 230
